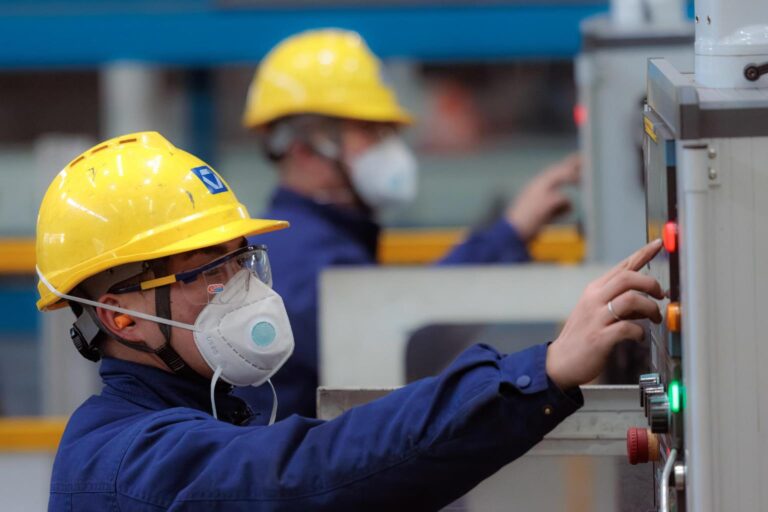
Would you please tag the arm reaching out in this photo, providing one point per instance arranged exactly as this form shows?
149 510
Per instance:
578 355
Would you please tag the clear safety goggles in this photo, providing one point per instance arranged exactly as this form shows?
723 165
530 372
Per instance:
204 283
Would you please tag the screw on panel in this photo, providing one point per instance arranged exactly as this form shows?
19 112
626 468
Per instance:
753 72
711 153
712 173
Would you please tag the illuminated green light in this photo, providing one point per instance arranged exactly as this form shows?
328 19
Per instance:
674 396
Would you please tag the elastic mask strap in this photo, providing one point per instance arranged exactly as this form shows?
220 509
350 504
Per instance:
166 353
216 375
136 314
273 416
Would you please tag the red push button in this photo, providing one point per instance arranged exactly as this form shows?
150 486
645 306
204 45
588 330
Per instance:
642 446
580 114
670 236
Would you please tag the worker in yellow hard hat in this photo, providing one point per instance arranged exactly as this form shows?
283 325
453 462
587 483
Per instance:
147 245
331 125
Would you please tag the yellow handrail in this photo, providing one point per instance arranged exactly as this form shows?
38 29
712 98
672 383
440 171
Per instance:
556 244
17 256
30 434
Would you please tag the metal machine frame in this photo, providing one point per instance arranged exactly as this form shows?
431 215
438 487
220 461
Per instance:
367 314
710 146
610 74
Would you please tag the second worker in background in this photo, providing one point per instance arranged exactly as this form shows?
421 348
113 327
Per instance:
332 128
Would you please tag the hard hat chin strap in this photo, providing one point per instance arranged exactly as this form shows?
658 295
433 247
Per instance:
166 352
87 327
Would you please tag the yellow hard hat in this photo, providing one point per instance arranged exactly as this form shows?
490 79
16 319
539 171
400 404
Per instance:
329 72
130 199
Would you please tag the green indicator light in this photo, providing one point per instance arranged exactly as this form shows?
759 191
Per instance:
674 396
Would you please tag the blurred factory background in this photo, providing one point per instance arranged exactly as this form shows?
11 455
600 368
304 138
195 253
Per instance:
491 82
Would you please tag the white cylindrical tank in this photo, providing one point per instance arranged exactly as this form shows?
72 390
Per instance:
638 13
730 36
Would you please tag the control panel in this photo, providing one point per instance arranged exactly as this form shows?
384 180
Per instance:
660 390
705 148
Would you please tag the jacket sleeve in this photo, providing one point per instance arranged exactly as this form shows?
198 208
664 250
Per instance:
498 243
419 448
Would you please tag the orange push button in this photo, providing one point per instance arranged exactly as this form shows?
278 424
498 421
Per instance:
673 317
669 236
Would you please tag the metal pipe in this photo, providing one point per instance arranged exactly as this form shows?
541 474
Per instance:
664 482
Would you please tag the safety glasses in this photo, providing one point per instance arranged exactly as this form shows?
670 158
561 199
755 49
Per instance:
202 284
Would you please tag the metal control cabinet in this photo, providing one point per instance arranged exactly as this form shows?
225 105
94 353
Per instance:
610 74
706 159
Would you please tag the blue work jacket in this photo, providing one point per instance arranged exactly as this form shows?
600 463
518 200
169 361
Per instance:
324 235
149 443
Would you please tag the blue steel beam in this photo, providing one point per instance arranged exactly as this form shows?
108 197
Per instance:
202 37
17 303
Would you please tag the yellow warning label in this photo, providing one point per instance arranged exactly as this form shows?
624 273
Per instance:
649 129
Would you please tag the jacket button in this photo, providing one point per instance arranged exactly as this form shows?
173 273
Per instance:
523 381
547 409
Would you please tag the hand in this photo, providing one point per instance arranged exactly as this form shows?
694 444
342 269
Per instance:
579 354
542 198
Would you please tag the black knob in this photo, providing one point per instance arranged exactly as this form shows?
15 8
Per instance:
753 72
650 392
659 415
647 380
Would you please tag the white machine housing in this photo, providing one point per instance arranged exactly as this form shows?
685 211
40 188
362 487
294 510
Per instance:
714 144
730 35
610 76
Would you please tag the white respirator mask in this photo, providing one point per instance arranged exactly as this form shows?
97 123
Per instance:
243 333
386 175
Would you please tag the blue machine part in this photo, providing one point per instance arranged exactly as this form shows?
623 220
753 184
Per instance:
203 33
18 314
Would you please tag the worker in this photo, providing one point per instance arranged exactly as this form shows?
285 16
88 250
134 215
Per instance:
147 245
332 127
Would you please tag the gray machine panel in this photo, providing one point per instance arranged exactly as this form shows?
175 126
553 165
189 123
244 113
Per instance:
598 429
693 112
662 208
600 33
711 361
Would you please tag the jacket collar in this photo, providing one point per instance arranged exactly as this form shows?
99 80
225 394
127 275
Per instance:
355 224
156 389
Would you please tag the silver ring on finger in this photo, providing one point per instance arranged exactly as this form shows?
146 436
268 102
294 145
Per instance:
613 313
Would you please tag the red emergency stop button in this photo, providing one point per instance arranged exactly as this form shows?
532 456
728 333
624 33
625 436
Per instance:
669 236
642 446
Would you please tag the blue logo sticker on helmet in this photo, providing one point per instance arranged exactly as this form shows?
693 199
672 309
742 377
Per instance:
210 179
